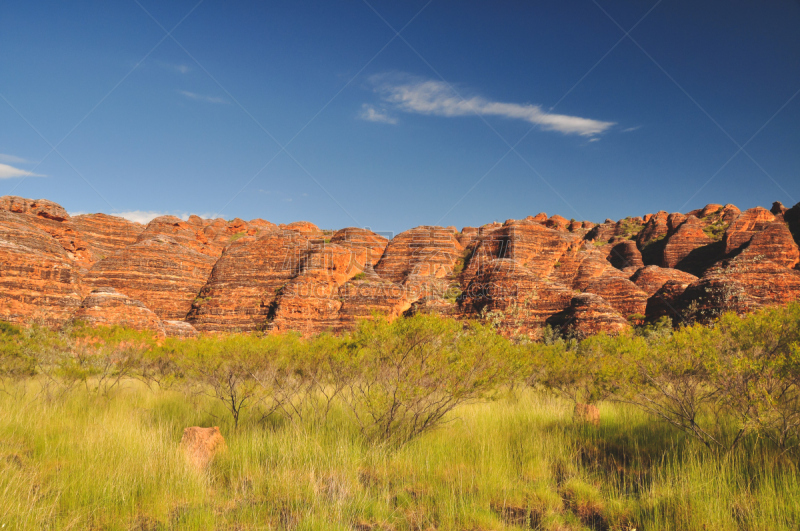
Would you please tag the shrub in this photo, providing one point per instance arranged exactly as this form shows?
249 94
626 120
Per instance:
412 372
758 372
102 358
227 369
673 381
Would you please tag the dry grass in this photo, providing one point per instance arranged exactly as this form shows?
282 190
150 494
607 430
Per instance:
88 462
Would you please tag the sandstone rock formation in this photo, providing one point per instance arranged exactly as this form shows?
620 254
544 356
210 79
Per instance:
177 277
622 294
666 301
108 307
305 228
740 284
424 251
362 297
625 254
180 329
245 282
689 249
366 246
745 226
530 244
201 445
165 275
775 243
38 281
85 239
651 278
523 297
654 229
104 235
307 304
589 314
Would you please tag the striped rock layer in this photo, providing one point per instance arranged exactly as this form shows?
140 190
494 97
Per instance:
180 277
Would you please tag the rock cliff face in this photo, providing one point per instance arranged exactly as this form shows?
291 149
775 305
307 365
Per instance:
740 284
108 307
424 251
528 243
625 254
745 226
589 314
179 277
371 294
775 243
246 280
651 278
165 275
104 235
622 294
85 239
523 298
38 281
688 248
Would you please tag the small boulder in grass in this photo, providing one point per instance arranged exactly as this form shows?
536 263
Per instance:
586 413
202 444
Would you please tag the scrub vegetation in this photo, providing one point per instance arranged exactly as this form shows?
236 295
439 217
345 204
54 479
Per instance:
422 423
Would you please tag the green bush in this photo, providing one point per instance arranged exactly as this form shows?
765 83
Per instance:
412 372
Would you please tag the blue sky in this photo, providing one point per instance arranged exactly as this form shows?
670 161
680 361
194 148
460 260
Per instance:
475 112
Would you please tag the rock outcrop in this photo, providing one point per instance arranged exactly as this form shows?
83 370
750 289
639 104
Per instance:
528 243
425 251
589 314
104 235
775 243
650 279
180 329
201 445
180 277
366 246
524 301
622 294
165 275
38 281
689 249
740 284
371 294
108 307
666 301
745 226
245 282
625 254
308 304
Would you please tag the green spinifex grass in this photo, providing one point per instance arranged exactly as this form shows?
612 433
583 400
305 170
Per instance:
88 462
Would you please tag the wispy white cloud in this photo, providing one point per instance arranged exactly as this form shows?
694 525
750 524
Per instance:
179 68
631 129
146 216
437 98
11 159
201 97
371 114
9 172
